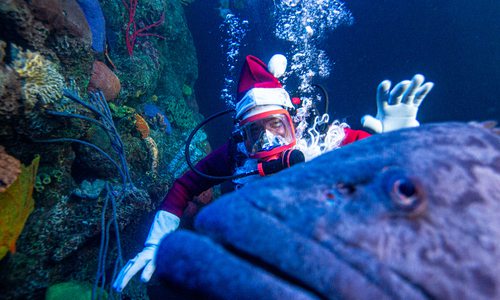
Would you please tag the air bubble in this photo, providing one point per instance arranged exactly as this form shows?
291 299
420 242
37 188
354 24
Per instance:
304 24
234 30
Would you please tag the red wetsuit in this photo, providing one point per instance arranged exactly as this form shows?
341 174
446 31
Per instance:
218 163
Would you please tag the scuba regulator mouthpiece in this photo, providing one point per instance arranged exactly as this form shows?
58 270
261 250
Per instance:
288 158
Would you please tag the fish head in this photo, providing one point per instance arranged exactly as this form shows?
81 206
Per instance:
411 214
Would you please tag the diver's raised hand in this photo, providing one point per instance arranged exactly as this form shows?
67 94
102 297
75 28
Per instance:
398 108
163 224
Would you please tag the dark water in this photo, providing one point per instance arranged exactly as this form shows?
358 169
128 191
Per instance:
455 44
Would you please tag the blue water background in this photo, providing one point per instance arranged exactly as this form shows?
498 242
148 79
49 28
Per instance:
455 44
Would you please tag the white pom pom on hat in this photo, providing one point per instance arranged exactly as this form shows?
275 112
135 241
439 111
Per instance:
277 65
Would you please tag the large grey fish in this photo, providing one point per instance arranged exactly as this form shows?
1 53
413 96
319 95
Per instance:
412 214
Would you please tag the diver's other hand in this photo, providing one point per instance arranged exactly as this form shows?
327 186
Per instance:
398 108
163 224
145 259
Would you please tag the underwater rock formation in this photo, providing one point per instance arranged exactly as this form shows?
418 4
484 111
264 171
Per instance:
158 66
10 88
33 83
412 214
46 48
56 28
105 80
63 17
10 168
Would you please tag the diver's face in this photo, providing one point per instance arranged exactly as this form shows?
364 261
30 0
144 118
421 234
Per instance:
263 130
267 133
273 125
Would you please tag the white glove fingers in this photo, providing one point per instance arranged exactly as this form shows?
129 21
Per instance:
370 122
134 269
163 224
397 92
422 93
124 276
148 271
415 84
383 92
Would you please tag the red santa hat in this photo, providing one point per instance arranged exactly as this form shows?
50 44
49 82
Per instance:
258 89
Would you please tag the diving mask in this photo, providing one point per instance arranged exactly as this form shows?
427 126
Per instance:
268 133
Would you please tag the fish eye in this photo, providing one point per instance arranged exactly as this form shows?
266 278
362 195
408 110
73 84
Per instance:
405 188
406 194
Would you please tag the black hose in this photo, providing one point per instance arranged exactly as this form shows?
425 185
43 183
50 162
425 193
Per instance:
188 156
325 96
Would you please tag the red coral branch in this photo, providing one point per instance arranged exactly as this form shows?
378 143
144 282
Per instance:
131 32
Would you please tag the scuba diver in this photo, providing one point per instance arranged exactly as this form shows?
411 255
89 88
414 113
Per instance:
263 143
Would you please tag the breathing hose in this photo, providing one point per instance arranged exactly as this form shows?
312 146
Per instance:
188 156
325 96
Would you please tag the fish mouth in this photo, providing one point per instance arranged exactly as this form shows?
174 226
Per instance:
276 260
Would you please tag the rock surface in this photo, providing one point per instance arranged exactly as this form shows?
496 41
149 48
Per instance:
47 42
105 80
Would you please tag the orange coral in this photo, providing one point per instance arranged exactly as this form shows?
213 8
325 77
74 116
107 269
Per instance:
10 168
142 126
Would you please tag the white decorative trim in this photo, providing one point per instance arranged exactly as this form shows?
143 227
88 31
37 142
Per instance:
263 96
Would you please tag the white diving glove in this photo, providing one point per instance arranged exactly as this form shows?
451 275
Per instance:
163 224
398 109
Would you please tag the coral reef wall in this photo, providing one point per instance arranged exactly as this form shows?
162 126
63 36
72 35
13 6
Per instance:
140 54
